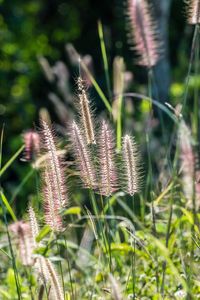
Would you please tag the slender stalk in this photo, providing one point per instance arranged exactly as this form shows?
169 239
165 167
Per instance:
12 254
196 89
133 261
150 172
156 253
69 271
104 56
190 66
96 212
166 244
29 283
108 232
119 117
60 267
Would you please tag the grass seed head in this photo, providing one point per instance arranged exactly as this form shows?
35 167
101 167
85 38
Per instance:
143 33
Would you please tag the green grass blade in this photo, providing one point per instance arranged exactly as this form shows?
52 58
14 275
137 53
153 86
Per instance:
5 253
1 145
97 88
104 56
7 165
21 185
7 205
119 122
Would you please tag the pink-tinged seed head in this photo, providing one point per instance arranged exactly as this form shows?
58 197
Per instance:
83 157
51 203
108 172
87 123
22 231
144 33
131 165
32 145
54 166
190 175
193 11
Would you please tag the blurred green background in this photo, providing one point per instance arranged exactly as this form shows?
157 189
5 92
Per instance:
30 29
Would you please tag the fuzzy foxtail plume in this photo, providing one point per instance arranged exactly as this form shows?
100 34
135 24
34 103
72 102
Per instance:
51 207
190 175
144 33
85 113
131 165
24 240
56 290
108 174
193 11
83 157
33 224
40 262
54 165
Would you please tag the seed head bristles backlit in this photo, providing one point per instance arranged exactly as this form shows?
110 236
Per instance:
40 265
33 224
56 290
143 33
51 206
190 180
32 144
54 164
130 159
193 11
85 113
24 240
108 174
83 157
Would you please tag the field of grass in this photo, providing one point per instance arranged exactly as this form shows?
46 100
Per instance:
113 211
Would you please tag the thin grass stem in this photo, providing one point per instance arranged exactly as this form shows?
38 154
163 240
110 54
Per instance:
104 56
